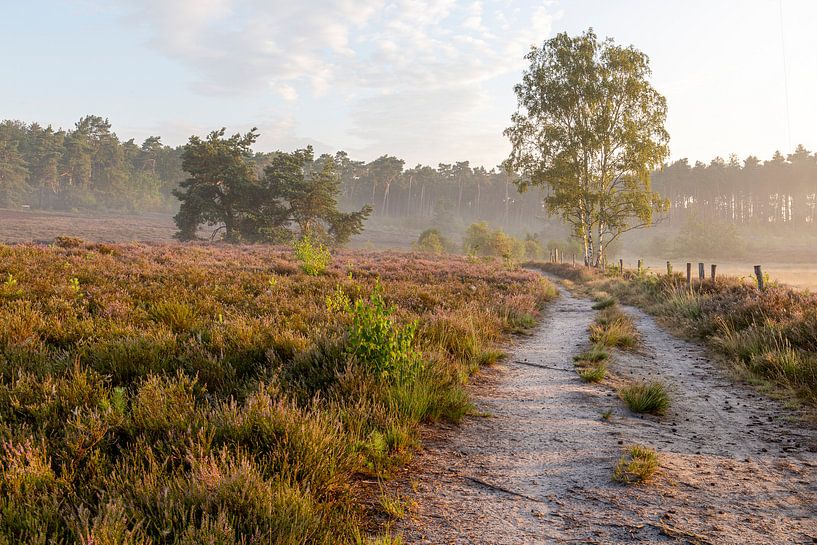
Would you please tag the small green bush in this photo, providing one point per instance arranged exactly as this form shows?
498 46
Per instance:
313 256
431 241
614 328
381 345
481 240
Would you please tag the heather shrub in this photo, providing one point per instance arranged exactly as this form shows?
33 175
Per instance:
175 394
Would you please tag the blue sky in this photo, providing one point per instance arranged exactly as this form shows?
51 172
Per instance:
427 81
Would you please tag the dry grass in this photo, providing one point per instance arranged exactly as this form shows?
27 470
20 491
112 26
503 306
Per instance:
210 394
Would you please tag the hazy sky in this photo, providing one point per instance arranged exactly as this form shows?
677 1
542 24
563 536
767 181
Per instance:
427 81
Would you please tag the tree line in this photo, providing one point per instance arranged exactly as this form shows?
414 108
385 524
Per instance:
779 191
88 167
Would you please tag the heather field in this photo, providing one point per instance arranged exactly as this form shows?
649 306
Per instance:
211 394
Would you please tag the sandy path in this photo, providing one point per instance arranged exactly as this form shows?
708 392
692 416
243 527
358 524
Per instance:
537 467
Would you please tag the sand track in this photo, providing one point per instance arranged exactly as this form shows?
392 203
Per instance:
537 467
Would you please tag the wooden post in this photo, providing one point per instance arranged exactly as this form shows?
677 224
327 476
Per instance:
712 272
689 275
669 268
621 266
701 272
639 267
759 275
574 259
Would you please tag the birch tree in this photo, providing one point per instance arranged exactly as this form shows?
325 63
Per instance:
590 127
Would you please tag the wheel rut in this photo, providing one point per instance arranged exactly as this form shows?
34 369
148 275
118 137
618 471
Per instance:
536 465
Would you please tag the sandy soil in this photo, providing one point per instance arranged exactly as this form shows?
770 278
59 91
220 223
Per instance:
537 466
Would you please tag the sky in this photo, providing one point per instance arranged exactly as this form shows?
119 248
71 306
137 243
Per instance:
427 81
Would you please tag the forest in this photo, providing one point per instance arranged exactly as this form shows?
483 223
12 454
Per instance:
89 168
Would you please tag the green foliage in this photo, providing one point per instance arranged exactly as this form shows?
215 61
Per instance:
613 328
382 346
480 239
85 167
431 241
593 373
596 354
607 302
313 256
220 184
9 289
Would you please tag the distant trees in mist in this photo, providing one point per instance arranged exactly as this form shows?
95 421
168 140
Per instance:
88 167
779 191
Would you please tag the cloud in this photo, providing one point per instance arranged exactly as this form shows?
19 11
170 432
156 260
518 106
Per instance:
277 132
401 67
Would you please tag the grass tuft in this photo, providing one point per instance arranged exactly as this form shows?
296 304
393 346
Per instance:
595 373
595 354
646 397
607 302
613 328
638 464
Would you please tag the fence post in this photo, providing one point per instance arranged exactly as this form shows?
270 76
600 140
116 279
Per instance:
701 272
639 267
621 266
689 275
669 268
759 275
712 275
574 259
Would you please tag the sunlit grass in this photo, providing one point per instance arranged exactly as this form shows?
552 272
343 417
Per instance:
638 464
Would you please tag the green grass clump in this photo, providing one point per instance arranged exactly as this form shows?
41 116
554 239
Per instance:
607 302
646 397
638 464
595 373
595 354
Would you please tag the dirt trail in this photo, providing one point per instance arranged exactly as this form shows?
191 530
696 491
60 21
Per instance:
537 467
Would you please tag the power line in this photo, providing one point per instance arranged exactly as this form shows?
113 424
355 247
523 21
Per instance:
785 74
